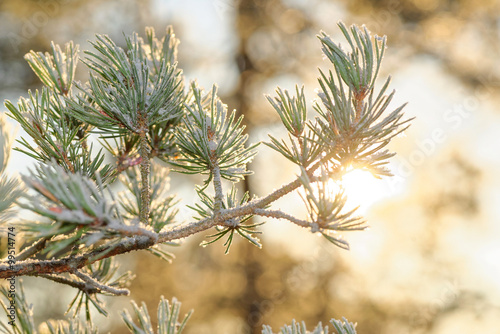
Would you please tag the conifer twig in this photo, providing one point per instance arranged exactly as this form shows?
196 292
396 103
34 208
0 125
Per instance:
218 189
32 249
70 263
145 167
82 286
102 287
281 215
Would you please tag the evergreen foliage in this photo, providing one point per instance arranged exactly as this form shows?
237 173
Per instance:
341 327
136 103
168 318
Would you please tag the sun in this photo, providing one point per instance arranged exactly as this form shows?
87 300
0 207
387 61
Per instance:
362 189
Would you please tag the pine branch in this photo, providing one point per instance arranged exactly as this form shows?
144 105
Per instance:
33 249
100 287
174 233
127 245
82 286
185 230
135 97
218 189
71 263
277 214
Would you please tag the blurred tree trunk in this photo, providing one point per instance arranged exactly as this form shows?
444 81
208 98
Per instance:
251 16
247 11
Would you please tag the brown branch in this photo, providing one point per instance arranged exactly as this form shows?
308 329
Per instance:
183 231
72 263
82 286
89 285
32 250
100 287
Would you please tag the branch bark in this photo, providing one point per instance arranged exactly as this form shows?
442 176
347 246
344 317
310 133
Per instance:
145 167
72 263
32 250
281 215
101 287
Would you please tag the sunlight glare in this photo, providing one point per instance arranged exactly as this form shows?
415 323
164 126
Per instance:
362 189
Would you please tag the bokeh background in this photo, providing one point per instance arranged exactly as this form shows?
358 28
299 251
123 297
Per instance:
430 262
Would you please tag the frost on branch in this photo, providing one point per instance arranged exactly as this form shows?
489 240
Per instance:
137 106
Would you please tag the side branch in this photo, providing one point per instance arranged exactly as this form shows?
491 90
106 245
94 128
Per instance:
145 167
132 231
101 287
218 189
281 215
288 188
183 231
32 250
82 286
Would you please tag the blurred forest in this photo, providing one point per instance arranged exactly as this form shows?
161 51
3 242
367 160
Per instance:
430 262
